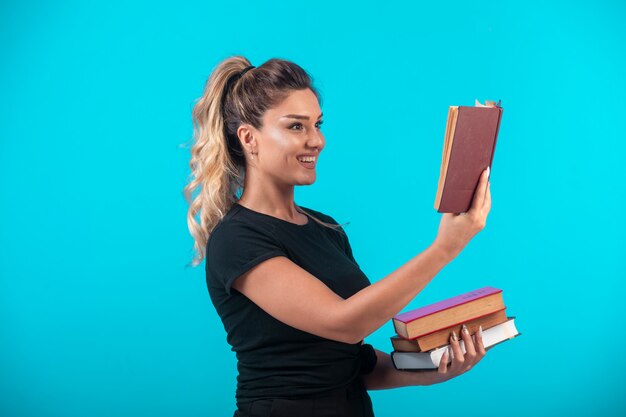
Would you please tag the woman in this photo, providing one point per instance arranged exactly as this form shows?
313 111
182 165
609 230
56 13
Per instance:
294 303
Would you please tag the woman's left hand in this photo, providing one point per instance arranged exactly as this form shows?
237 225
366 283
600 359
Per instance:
474 352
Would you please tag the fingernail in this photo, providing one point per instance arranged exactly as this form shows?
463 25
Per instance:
454 338
480 331
465 329
488 171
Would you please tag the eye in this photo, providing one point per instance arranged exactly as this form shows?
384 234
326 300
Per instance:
299 125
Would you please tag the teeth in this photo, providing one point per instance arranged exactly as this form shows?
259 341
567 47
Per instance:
307 159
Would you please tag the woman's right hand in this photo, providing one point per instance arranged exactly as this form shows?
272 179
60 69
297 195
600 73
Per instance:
456 230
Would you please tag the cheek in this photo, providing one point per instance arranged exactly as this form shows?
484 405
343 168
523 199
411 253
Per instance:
281 144
280 139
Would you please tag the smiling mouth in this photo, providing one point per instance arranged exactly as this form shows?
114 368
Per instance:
308 162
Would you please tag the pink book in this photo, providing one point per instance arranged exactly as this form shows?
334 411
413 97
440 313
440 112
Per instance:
446 304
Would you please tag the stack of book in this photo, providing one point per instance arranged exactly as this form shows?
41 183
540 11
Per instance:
423 334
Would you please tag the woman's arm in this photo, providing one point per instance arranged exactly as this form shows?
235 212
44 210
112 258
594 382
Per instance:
385 375
369 309
295 297
375 305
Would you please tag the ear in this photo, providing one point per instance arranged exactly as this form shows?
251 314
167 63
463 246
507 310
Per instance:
246 134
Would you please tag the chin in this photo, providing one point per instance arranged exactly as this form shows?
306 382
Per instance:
306 181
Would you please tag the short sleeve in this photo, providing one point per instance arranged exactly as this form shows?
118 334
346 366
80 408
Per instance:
234 248
367 359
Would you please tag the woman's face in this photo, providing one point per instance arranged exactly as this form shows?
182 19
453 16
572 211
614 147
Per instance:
290 131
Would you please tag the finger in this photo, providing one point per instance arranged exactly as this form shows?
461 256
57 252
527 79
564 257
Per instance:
467 340
470 352
487 203
479 194
480 346
443 363
457 353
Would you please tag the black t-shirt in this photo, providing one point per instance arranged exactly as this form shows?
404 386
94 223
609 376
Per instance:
276 360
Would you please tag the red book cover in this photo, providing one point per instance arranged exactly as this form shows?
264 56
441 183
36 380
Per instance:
471 135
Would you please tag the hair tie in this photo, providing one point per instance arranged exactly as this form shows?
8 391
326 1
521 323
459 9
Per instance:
246 69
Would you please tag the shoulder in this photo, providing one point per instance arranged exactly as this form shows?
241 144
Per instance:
235 228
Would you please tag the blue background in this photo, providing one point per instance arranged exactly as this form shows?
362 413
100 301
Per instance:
99 315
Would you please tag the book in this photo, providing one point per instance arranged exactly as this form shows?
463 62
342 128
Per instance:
431 359
441 337
468 149
450 312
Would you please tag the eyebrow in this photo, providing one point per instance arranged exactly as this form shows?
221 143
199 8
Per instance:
299 116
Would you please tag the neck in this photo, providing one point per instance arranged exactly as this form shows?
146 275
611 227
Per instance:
269 198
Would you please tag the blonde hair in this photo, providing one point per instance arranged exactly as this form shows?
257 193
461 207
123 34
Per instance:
218 164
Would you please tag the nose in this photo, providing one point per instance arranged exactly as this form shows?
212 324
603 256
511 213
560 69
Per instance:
317 141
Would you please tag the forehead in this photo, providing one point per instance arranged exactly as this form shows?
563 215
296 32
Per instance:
303 102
